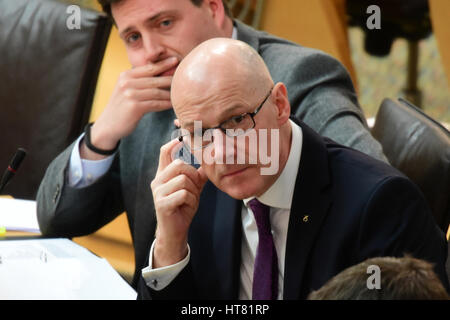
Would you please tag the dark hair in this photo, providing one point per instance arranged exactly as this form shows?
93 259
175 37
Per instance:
106 6
404 278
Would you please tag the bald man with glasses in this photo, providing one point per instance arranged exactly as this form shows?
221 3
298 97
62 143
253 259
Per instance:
268 236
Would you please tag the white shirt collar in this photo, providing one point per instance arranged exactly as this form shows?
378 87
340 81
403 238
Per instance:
280 194
234 34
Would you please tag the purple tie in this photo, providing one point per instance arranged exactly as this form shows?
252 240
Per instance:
265 274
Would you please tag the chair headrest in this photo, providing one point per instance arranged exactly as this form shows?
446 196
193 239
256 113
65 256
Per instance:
418 146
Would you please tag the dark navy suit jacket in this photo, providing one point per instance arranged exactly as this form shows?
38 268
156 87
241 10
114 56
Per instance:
357 208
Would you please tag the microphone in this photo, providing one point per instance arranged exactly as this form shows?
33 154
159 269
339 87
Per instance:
12 168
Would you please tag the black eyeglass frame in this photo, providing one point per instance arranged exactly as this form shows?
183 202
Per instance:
224 130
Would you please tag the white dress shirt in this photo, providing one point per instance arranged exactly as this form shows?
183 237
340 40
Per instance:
83 172
279 198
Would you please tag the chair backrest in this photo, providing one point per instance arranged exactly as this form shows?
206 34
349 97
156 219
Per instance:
418 146
50 56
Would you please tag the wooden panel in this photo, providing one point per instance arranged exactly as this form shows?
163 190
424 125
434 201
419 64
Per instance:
440 20
319 24
114 62
117 230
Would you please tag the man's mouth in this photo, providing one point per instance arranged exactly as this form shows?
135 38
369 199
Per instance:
234 173
169 72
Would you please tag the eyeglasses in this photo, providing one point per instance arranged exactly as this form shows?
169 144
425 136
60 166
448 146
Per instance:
233 127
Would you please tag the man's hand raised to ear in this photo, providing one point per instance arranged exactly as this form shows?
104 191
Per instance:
176 193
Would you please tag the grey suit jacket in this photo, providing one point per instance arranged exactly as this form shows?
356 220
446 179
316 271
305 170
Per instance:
320 91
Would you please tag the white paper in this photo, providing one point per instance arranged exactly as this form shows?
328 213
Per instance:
48 269
18 215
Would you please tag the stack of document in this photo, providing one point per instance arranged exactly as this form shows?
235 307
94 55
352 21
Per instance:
18 215
57 269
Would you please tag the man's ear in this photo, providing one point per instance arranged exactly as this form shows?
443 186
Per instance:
217 10
281 99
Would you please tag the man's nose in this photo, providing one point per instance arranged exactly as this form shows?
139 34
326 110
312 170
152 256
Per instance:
154 49
224 147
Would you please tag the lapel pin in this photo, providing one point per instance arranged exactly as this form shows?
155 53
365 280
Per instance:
306 219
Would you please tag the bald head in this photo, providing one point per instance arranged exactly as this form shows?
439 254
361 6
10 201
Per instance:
218 66
225 83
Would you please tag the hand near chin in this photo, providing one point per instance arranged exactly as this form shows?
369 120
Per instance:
176 193
137 92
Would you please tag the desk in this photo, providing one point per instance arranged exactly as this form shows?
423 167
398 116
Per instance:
112 242
119 254
56 268
14 234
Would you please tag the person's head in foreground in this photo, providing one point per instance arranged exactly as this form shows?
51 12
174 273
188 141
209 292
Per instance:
384 278
226 85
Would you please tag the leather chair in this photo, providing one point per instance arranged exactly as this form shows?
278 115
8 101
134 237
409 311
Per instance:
418 146
48 76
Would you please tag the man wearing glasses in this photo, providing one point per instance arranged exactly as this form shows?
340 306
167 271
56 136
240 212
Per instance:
269 236
239 126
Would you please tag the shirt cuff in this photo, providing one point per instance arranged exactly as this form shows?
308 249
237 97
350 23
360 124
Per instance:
159 278
82 172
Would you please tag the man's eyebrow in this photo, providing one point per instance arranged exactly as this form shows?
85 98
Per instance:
223 115
230 111
122 34
147 21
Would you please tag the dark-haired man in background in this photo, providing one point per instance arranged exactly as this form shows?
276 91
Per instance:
86 187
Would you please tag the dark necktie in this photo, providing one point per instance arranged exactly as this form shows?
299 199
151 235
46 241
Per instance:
265 274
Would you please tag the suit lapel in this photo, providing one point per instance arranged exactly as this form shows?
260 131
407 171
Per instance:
309 207
227 244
